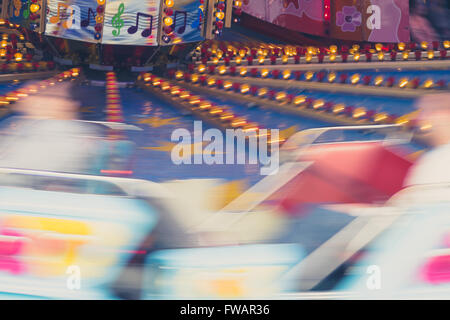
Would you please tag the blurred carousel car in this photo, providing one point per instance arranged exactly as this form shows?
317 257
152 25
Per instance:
59 215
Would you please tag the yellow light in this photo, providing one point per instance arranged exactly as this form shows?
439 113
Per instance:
238 122
32 89
333 48
222 70
11 98
262 92
286 74
215 60
175 91
318 104
169 3
22 94
280 96
338 108
211 82
219 54
355 78
4 43
428 84
378 47
204 106
309 75
403 82
261 60
401 121
194 100
311 50
264 73
308 57
243 71
201 68
380 56
215 111
424 44
18 56
245 88
355 47
179 75
242 53
378 80
446 44
168 21
425 127
227 85
238 60
380 117
185 95
220 15
226 116
332 57
331 77
251 127
165 86
284 59
430 55
156 82
194 78
299 100
34 7
356 56
405 55
401 46
75 72
359 112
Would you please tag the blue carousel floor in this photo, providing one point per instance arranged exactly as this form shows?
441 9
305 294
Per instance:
158 121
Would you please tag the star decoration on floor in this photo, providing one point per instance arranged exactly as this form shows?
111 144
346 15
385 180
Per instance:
157 122
286 133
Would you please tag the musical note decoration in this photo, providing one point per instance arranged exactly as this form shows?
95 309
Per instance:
117 22
67 22
181 29
196 24
86 22
146 32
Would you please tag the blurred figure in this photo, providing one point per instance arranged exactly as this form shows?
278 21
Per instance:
54 103
433 167
46 137
421 28
439 17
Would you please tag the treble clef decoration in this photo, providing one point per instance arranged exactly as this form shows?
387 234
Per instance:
117 22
